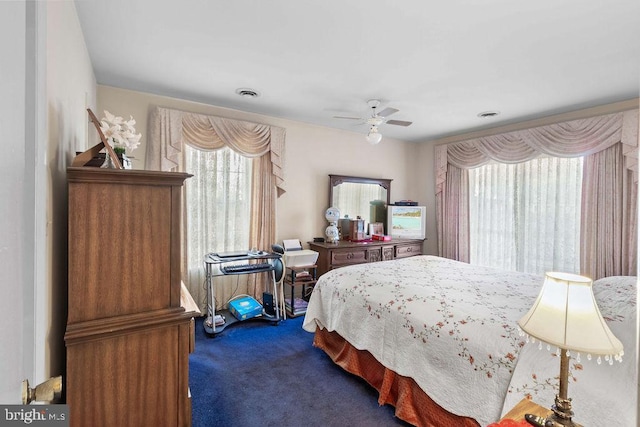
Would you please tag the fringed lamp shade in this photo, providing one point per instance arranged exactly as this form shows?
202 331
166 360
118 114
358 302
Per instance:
566 315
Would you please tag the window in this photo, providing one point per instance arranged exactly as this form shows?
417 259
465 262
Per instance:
218 202
526 216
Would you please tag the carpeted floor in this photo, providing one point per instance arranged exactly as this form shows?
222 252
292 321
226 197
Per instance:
258 374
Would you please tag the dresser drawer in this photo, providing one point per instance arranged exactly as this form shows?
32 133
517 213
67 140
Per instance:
374 255
355 256
403 251
387 253
343 253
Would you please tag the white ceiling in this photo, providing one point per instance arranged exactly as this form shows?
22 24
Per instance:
439 63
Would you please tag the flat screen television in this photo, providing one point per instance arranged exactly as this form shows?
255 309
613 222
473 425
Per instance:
407 222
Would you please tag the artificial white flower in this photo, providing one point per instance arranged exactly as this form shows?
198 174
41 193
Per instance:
120 132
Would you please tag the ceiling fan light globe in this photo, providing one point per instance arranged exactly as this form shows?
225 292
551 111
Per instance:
374 138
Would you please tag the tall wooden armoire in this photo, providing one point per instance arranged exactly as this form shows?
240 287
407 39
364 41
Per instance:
127 337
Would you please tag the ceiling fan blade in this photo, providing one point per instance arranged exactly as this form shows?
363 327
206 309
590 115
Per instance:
398 122
347 117
387 112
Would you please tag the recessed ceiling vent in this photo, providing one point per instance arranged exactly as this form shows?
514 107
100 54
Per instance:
247 93
488 114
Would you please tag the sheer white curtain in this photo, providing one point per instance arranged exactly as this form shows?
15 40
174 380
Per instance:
217 209
526 216
583 137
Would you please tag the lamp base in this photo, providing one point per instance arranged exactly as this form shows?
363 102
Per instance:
561 416
537 421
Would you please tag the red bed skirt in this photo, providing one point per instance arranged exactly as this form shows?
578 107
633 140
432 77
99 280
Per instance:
412 404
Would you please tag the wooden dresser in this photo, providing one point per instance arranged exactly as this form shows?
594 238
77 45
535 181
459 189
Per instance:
334 255
127 337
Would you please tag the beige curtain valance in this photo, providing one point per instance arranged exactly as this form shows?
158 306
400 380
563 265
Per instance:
609 143
568 139
172 128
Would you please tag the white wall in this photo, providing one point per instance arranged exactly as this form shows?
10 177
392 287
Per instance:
44 85
16 247
312 153
70 89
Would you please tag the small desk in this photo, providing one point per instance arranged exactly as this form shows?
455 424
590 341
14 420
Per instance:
215 268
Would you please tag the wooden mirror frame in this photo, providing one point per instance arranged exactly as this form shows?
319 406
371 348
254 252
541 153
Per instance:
339 179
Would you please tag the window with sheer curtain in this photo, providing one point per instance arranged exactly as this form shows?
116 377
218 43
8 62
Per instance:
526 216
218 202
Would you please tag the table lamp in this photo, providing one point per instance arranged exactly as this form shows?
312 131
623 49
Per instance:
566 315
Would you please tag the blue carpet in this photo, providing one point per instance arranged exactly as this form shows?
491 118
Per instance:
258 374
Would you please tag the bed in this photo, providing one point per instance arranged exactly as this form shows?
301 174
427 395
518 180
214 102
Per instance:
439 340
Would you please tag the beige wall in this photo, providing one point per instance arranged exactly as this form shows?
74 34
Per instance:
312 153
426 181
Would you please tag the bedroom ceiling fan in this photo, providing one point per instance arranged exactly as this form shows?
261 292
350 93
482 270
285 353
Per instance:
376 119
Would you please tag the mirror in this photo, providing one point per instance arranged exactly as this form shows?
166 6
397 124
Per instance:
353 196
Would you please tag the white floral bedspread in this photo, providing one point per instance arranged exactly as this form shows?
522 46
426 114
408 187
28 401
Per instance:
448 325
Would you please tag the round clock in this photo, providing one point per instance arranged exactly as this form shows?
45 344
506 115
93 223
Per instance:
332 214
